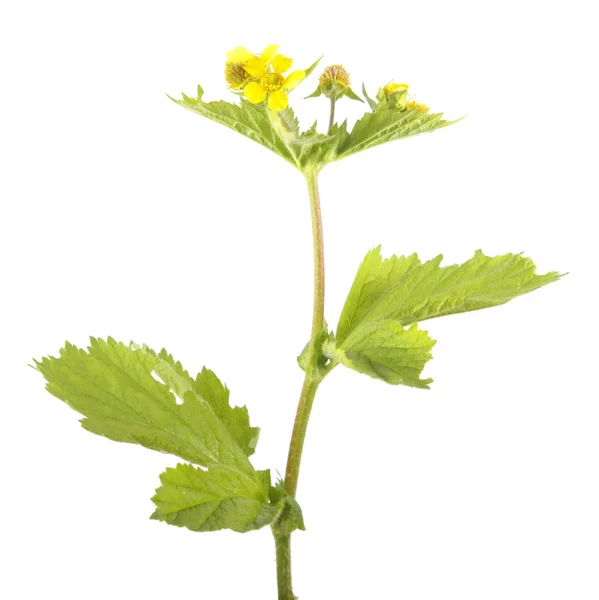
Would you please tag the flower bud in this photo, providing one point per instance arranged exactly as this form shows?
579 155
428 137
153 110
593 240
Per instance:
334 80
334 83
396 95
392 88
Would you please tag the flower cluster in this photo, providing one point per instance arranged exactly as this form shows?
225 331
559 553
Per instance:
263 76
268 77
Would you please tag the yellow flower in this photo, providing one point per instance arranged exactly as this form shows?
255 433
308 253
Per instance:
271 80
397 97
236 74
390 88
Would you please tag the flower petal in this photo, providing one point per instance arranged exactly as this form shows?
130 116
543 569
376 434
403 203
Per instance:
256 67
254 92
278 100
269 52
239 54
281 63
293 79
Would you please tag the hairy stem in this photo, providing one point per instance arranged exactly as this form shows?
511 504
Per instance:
332 114
312 380
283 549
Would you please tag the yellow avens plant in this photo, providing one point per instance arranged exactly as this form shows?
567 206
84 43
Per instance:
130 393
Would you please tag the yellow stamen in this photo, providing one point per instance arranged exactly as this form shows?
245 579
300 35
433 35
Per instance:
235 74
272 82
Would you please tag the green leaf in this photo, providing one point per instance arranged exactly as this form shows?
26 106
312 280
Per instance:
376 128
133 394
277 131
115 388
312 67
351 94
235 418
317 92
405 290
388 295
370 101
208 386
251 120
215 499
385 350
372 281
309 150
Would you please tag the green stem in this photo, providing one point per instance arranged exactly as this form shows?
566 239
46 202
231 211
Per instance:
298 436
332 114
312 380
283 549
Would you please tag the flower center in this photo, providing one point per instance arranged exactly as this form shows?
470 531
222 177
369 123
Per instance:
272 82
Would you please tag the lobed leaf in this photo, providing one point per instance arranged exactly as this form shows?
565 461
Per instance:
215 499
133 394
385 350
251 120
310 150
376 128
405 290
389 294
114 387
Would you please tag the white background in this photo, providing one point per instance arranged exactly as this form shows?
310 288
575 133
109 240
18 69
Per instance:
124 215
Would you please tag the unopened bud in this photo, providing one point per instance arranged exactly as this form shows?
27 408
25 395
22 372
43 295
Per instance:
334 79
334 83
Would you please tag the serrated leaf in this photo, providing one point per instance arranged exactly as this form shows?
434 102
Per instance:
208 386
385 350
277 131
309 150
237 419
114 387
376 128
373 279
405 290
215 499
251 120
